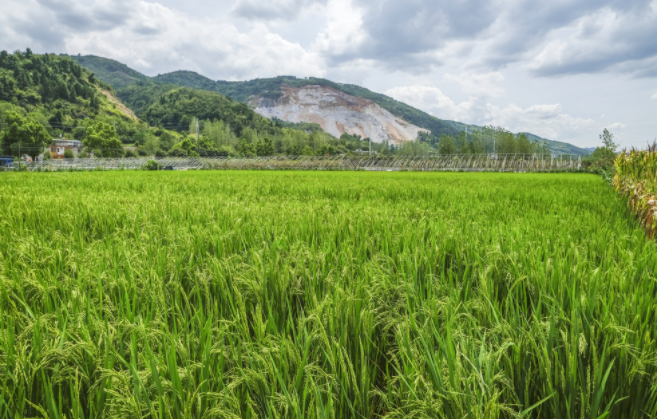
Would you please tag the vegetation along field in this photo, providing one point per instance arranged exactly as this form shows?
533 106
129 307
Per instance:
323 295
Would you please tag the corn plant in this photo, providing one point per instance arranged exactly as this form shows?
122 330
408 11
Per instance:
636 179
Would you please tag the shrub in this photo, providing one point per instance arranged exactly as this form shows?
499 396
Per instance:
68 154
177 152
153 165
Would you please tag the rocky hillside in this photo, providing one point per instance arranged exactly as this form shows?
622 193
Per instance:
265 94
337 113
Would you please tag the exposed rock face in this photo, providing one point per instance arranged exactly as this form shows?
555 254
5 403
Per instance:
337 112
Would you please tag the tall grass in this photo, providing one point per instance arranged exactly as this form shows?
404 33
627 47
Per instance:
323 295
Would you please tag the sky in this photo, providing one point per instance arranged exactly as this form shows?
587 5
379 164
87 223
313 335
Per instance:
560 69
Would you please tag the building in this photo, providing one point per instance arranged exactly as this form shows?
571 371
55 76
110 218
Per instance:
60 145
6 160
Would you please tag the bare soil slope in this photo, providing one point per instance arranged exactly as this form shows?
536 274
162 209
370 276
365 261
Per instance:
337 112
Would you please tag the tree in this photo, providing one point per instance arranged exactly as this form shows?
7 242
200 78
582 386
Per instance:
505 141
414 149
247 149
101 137
265 148
541 147
446 145
602 159
462 144
608 141
523 145
24 135
151 144
183 148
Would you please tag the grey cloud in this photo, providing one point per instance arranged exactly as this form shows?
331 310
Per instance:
419 35
625 45
95 17
23 25
274 10
524 26
409 33
40 37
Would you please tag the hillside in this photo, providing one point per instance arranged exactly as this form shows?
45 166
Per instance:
229 127
112 72
153 118
337 113
174 107
118 74
62 96
271 88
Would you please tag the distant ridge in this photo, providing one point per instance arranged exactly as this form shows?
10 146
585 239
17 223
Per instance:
120 76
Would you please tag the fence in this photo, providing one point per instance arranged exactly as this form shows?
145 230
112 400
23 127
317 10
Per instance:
472 163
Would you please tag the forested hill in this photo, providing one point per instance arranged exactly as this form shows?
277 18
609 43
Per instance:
174 107
271 88
118 75
53 96
60 95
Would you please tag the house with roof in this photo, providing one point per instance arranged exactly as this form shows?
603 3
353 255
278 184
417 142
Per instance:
60 145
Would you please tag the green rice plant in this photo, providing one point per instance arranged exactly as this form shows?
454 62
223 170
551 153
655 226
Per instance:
222 294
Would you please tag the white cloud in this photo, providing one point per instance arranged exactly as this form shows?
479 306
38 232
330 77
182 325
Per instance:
343 32
605 40
617 125
432 100
153 38
548 121
654 96
480 85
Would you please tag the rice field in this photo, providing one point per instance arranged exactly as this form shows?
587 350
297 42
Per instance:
215 294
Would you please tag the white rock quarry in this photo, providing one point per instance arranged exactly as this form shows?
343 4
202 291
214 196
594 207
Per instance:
337 112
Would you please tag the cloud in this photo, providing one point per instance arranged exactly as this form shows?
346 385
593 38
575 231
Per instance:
154 39
654 96
432 100
550 37
409 36
415 37
480 85
548 121
617 125
274 9
608 40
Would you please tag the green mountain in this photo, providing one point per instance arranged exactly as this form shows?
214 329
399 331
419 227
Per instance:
67 99
118 75
112 72
271 88
61 95
174 107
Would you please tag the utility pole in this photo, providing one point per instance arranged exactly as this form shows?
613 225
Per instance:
197 146
117 134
